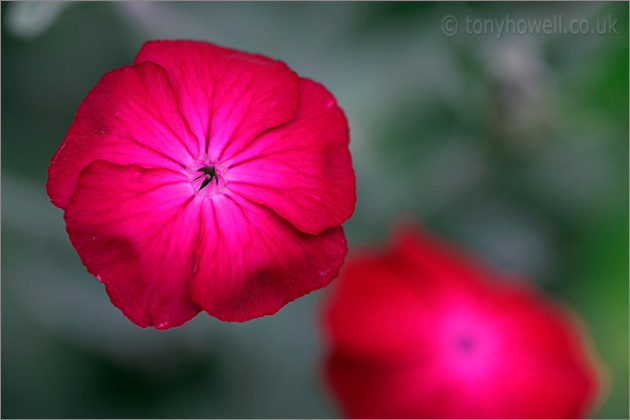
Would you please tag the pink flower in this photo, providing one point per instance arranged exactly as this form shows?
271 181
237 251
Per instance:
423 331
205 178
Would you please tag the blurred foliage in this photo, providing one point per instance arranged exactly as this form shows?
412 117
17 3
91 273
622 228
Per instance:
515 147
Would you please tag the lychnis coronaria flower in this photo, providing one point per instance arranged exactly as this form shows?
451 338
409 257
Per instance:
205 178
423 331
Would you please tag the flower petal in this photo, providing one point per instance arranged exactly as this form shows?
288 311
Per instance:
428 256
302 169
382 389
544 342
136 229
360 308
131 116
228 96
255 262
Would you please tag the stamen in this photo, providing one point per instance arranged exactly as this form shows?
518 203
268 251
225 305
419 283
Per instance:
210 173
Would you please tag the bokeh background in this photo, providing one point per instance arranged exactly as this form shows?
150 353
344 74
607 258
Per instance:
515 147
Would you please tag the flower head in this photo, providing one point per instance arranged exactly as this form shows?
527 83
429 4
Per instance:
205 178
422 331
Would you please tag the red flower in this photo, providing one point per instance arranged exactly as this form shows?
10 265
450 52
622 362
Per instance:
422 331
206 178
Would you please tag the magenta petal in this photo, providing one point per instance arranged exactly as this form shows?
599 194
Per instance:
302 169
131 116
255 262
136 229
228 96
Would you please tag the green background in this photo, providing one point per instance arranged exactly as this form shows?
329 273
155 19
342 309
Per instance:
515 147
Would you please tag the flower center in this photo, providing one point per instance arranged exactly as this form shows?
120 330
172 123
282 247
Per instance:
209 174
465 344
206 178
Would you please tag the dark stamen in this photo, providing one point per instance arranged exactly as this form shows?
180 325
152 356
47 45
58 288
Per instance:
210 173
